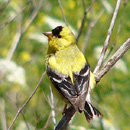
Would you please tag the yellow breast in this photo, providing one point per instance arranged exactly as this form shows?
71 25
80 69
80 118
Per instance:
67 61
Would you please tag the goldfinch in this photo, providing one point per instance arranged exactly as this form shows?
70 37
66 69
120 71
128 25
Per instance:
69 71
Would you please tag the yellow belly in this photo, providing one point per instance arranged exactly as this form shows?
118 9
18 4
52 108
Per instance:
67 61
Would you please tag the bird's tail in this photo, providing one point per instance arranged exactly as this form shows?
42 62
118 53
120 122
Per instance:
90 111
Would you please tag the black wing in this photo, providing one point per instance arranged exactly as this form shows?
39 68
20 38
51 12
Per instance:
82 85
74 93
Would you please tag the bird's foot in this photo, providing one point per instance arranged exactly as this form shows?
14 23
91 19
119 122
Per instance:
65 109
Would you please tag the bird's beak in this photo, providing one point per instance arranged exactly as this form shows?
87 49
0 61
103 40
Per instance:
48 34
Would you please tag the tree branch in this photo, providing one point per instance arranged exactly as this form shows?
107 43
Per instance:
62 11
118 54
65 119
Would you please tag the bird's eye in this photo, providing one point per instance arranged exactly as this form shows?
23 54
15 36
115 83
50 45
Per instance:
56 31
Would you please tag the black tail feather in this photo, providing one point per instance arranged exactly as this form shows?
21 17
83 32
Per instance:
90 111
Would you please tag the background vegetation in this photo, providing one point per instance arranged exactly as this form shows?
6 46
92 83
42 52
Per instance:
22 61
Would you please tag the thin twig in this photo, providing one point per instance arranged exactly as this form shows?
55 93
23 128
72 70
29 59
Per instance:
106 43
21 109
17 107
11 19
84 18
3 115
33 16
121 20
14 45
4 5
47 122
62 11
89 28
82 22
91 25
16 38
119 30
52 104
25 121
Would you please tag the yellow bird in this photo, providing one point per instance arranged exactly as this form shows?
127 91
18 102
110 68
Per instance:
69 71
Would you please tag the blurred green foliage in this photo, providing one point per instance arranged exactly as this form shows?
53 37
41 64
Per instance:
112 94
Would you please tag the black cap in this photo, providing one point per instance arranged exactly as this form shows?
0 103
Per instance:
56 31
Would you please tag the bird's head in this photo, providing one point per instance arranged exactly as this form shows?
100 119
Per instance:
59 38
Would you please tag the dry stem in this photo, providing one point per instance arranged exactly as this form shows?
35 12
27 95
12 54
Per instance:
20 109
